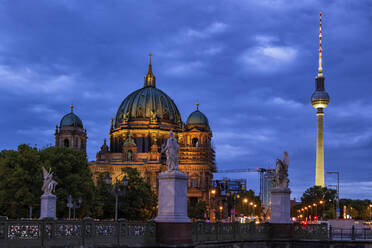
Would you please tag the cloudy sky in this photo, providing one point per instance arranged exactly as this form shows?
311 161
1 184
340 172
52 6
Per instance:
250 64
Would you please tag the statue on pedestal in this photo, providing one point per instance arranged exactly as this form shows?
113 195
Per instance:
281 172
171 151
49 184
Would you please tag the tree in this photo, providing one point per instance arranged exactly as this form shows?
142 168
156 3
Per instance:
74 177
20 182
198 211
248 204
139 202
324 198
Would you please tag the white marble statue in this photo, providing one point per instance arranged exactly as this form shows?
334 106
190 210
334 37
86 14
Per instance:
171 151
281 172
49 184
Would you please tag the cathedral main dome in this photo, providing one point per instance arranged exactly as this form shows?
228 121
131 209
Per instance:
148 102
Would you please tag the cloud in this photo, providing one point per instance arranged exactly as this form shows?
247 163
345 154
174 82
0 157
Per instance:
257 135
284 102
228 151
35 130
185 68
347 190
26 80
267 57
213 29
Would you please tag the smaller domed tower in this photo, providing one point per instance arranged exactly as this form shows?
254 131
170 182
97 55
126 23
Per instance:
197 156
71 133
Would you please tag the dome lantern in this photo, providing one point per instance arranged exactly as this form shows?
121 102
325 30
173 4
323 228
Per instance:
150 78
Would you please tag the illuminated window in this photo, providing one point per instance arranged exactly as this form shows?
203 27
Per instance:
195 142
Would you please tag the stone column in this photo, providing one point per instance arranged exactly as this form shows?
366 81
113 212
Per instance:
173 225
280 205
48 206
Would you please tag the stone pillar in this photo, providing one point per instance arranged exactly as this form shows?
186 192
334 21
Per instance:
48 206
173 225
280 205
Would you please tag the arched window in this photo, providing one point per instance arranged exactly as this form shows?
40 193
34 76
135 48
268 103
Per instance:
195 142
166 114
129 155
66 143
140 112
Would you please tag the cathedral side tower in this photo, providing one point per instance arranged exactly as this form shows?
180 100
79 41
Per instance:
71 133
320 100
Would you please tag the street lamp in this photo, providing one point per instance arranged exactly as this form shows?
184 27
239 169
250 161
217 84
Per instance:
338 190
71 203
117 190
221 209
211 202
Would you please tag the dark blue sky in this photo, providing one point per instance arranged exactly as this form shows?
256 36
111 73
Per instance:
250 64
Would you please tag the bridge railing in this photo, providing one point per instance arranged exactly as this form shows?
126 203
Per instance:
86 232
205 232
350 233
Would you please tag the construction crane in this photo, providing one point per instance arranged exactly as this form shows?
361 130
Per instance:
259 170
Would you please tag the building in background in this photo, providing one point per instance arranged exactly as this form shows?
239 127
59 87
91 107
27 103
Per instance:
230 186
139 131
268 180
71 133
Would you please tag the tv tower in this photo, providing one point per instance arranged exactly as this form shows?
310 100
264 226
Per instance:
320 100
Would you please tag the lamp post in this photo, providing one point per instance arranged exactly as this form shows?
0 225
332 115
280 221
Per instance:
321 211
338 191
71 203
221 209
117 190
211 202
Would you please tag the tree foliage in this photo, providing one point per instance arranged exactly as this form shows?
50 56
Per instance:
317 193
139 202
21 180
198 211
245 204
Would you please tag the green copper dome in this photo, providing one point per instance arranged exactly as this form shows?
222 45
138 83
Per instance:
146 102
71 120
197 118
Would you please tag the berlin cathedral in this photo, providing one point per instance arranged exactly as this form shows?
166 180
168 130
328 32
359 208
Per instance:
138 133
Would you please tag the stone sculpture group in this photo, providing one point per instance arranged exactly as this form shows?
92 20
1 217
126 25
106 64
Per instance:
48 200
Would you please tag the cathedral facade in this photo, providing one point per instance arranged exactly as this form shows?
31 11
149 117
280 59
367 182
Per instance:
140 130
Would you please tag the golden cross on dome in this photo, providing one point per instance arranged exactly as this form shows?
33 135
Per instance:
197 105
150 54
72 107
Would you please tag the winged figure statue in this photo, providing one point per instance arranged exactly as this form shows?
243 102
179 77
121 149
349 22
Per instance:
49 184
281 172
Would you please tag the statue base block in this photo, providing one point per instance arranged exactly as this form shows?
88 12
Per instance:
48 206
280 205
172 197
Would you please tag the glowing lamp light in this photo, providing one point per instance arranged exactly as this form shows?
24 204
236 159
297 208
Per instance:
245 200
213 191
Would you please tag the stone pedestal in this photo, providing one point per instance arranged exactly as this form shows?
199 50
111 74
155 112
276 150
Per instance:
173 226
172 197
48 206
280 205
